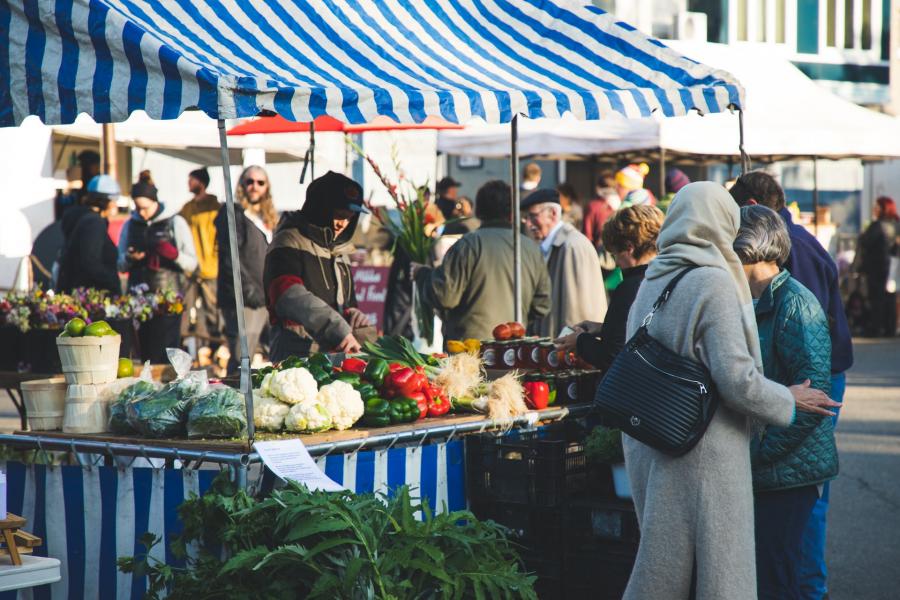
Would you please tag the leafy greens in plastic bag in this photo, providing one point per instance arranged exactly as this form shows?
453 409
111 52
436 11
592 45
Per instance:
218 413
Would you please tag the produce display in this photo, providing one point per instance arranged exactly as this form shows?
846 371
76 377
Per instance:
220 413
162 414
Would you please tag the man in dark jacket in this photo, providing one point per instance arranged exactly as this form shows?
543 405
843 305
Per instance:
308 282
88 258
810 264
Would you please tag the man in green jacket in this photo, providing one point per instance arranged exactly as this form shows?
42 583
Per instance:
473 288
790 464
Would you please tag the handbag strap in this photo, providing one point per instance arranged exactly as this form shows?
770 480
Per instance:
664 296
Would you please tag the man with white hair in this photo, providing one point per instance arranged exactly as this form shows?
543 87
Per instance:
576 282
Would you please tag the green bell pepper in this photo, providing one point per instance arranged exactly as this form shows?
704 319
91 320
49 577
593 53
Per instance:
373 421
378 407
366 391
551 397
403 410
322 361
351 378
292 362
376 371
319 374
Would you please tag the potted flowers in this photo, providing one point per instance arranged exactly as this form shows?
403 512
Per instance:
159 314
603 446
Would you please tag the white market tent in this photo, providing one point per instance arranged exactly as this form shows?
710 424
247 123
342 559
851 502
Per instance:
353 61
787 116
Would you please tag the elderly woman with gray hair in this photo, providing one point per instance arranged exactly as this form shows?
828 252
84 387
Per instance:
696 511
789 463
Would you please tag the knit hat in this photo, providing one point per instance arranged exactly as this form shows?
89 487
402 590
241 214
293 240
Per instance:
639 198
632 176
142 189
675 180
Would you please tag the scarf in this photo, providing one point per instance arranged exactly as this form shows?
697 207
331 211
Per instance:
699 229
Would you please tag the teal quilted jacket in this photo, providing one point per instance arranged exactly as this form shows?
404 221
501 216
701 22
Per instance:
796 345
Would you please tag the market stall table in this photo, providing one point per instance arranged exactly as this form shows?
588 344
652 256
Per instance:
34 571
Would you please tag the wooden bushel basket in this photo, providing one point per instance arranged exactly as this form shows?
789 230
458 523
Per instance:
45 402
89 360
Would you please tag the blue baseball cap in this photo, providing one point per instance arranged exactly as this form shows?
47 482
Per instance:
104 184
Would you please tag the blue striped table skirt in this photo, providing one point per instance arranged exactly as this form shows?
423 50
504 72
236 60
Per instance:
88 517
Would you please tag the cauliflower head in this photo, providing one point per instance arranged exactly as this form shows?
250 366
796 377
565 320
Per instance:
293 386
343 402
264 384
268 412
308 416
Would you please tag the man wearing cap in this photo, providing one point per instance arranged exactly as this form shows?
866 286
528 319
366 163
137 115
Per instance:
308 282
88 257
576 282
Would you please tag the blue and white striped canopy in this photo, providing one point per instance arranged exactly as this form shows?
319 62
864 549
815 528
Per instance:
350 59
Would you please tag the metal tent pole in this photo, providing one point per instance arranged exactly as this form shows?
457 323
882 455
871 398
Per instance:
816 195
236 279
662 173
745 160
516 219
312 149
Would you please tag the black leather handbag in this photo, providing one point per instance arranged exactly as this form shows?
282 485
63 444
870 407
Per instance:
655 395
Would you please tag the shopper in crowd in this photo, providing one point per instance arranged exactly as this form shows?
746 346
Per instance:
200 214
878 244
254 220
601 208
811 265
89 256
630 236
696 511
447 192
630 185
531 178
473 288
576 283
155 248
675 180
789 463
308 282
573 214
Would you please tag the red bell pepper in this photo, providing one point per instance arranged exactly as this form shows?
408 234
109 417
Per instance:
421 402
394 367
406 382
354 365
439 407
537 394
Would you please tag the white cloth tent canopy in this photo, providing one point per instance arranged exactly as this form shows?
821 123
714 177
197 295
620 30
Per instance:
787 115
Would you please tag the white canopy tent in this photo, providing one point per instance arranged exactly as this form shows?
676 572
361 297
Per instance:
787 116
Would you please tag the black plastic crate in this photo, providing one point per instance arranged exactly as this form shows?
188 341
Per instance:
547 567
538 530
591 523
538 468
601 574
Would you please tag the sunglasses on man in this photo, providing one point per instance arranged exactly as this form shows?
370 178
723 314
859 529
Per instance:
259 182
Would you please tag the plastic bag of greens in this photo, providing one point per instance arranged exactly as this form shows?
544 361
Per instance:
141 388
219 413
164 413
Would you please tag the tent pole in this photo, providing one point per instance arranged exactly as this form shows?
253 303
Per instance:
745 160
236 280
662 173
816 195
516 218
312 149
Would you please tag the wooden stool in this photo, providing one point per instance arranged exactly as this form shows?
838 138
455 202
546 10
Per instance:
15 542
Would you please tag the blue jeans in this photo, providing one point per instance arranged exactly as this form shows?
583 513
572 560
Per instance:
813 572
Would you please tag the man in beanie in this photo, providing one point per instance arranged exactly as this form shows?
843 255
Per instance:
630 185
308 283
200 214
576 282
675 180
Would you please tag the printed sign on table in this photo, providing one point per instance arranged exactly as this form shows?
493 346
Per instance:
371 292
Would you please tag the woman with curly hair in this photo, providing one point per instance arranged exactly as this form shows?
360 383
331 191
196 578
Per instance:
255 221
630 236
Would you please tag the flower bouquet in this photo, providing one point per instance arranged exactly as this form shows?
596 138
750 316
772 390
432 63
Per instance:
410 224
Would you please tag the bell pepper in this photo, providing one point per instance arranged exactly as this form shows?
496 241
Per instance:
377 370
366 391
394 367
319 374
551 396
537 394
403 410
439 406
377 412
351 378
404 381
353 365
421 404
322 361
455 346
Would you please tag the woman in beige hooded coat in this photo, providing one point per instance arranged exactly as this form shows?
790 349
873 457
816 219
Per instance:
696 511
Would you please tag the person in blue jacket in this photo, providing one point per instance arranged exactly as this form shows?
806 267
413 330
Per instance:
811 265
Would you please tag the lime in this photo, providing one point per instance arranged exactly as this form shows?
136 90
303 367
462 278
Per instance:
97 329
75 327
126 368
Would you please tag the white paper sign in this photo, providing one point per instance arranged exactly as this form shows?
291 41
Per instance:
289 459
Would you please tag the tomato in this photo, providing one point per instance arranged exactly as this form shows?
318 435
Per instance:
516 330
502 332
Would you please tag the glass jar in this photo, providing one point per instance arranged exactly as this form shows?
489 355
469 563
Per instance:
507 355
546 356
489 354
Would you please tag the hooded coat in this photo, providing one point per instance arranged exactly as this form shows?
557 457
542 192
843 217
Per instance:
88 257
696 510
308 281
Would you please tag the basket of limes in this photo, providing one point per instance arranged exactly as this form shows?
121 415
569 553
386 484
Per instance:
89 353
